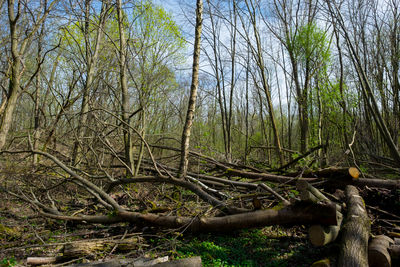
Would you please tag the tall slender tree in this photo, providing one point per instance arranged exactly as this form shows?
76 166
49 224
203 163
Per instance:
183 166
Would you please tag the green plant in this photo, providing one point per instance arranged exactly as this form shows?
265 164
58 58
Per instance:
8 262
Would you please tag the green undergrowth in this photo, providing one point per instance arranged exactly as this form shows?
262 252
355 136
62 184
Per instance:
249 248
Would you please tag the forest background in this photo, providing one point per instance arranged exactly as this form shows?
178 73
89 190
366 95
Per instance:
95 94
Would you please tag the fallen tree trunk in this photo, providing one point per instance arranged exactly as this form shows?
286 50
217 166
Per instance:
378 251
298 213
395 250
335 181
356 230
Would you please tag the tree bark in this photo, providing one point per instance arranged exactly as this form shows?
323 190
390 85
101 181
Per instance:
18 49
91 64
356 230
378 251
183 166
124 93
295 214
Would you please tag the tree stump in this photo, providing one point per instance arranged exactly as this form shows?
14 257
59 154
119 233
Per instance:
356 230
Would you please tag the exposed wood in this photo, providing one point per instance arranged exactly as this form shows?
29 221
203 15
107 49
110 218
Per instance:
354 172
378 251
42 260
310 193
356 230
320 235
262 176
84 249
187 262
390 184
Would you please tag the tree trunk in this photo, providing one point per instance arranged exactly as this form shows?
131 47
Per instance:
260 62
356 230
378 251
124 94
91 64
193 93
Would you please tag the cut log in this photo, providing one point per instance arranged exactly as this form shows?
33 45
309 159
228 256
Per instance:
88 249
356 230
354 172
312 194
378 251
320 235
42 260
395 249
395 252
159 262
187 262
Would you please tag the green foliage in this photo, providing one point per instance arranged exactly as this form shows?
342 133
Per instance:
156 24
8 262
311 44
244 248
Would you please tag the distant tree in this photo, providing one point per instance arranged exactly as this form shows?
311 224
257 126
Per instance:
21 36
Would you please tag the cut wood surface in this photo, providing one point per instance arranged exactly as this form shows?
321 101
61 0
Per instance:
356 230
354 172
378 251
319 235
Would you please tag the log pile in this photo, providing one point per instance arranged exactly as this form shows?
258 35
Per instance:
357 248
319 235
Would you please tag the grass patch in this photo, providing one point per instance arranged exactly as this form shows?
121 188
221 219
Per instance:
248 248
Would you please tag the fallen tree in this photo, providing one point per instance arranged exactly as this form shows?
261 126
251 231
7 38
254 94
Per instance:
379 251
297 213
356 230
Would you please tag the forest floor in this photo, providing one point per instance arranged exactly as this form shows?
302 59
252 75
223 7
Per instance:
24 233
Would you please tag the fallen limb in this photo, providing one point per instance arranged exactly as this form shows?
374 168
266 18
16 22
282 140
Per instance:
183 183
263 176
301 157
43 260
295 214
356 230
